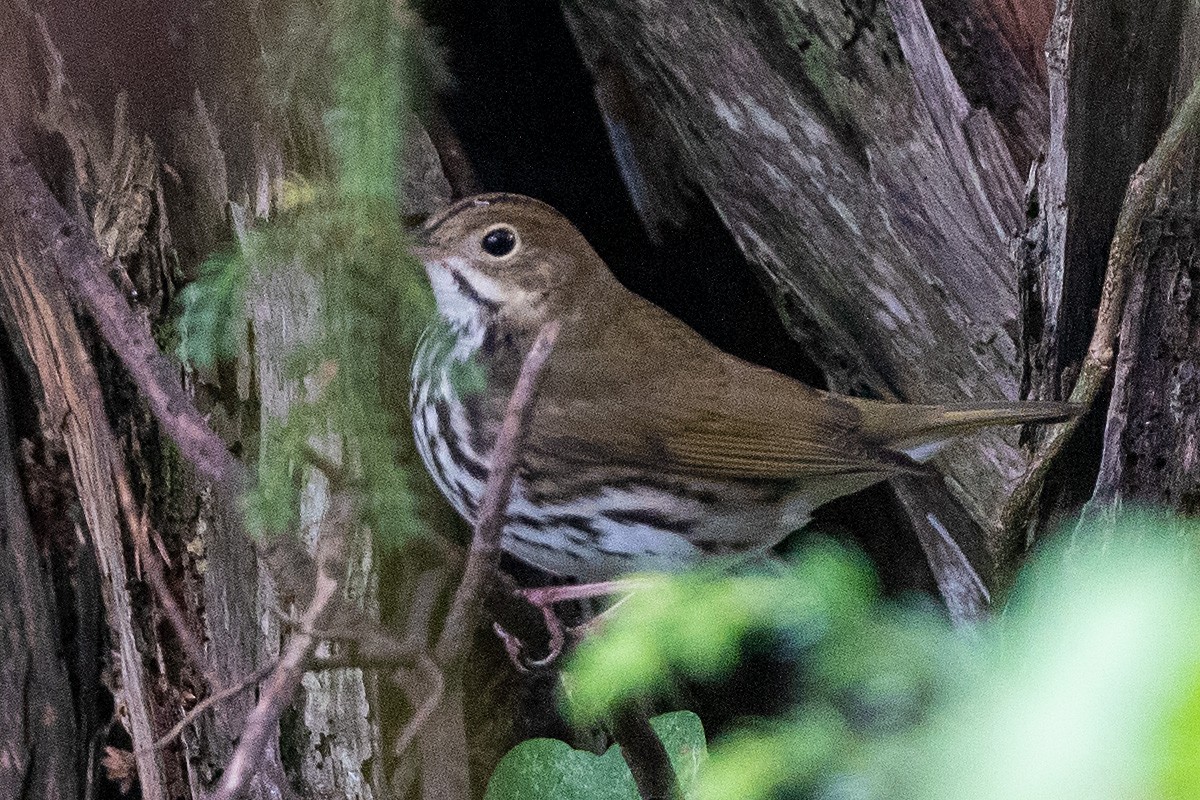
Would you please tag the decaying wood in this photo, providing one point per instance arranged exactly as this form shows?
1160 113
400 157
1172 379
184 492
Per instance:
1140 197
39 744
878 150
36 305
867 159
133 206
848 163
107 166
1112 67
280 688
1151 438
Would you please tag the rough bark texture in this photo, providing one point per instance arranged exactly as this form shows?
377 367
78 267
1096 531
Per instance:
1116 73
40 751
1152 436
1111 66
877 196
37 307
157 151
869 157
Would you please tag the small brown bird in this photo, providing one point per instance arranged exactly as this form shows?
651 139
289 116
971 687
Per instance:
648 447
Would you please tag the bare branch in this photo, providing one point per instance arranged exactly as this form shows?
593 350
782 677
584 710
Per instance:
1139 200
461 622
425 710
85 269
224 694
443 748
139 529
337 475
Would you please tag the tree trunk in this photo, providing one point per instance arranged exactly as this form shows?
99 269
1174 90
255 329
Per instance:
41 754
845 158
1150 437
161 133
928 200
868 158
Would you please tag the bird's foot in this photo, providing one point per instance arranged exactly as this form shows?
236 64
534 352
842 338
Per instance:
544 599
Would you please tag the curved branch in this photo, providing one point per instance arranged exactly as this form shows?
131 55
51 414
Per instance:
1139 200
461 622
85 269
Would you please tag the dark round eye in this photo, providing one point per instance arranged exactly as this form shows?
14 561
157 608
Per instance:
499 242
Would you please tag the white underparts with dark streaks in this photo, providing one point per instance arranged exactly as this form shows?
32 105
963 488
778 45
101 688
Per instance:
593 537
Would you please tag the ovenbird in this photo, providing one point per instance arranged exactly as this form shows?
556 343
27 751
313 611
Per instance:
648 448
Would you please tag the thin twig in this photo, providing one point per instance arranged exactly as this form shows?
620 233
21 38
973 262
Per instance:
338 476
549 595
1138 202
283 682
425 710
229 691
314 664
443 748
461 622
85 268
139 529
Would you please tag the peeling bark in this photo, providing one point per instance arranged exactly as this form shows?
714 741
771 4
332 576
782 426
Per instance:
40 747
851 167
155 164
1116 73
868 158
36 305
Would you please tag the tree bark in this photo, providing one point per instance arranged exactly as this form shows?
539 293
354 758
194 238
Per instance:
157 151
874 160
1150 439
868 158
844 156
41 754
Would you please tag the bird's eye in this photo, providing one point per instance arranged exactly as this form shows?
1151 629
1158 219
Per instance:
499 241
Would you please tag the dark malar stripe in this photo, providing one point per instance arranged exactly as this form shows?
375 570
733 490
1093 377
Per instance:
468 291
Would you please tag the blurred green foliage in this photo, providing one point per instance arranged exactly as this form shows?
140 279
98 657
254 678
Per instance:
212 306
340 226
1086 686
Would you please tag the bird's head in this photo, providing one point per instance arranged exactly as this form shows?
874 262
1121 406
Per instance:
505 257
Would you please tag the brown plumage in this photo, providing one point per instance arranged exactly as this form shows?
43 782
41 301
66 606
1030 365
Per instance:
635 409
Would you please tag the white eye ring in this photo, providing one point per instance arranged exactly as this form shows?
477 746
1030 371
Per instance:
500 242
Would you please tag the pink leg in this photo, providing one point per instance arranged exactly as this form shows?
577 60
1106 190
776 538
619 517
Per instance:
544 598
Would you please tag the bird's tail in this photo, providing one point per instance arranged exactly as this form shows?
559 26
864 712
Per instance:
913 429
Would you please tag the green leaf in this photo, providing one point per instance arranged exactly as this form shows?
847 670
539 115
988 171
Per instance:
547 769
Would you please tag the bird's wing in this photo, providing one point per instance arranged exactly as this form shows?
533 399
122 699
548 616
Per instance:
660 395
